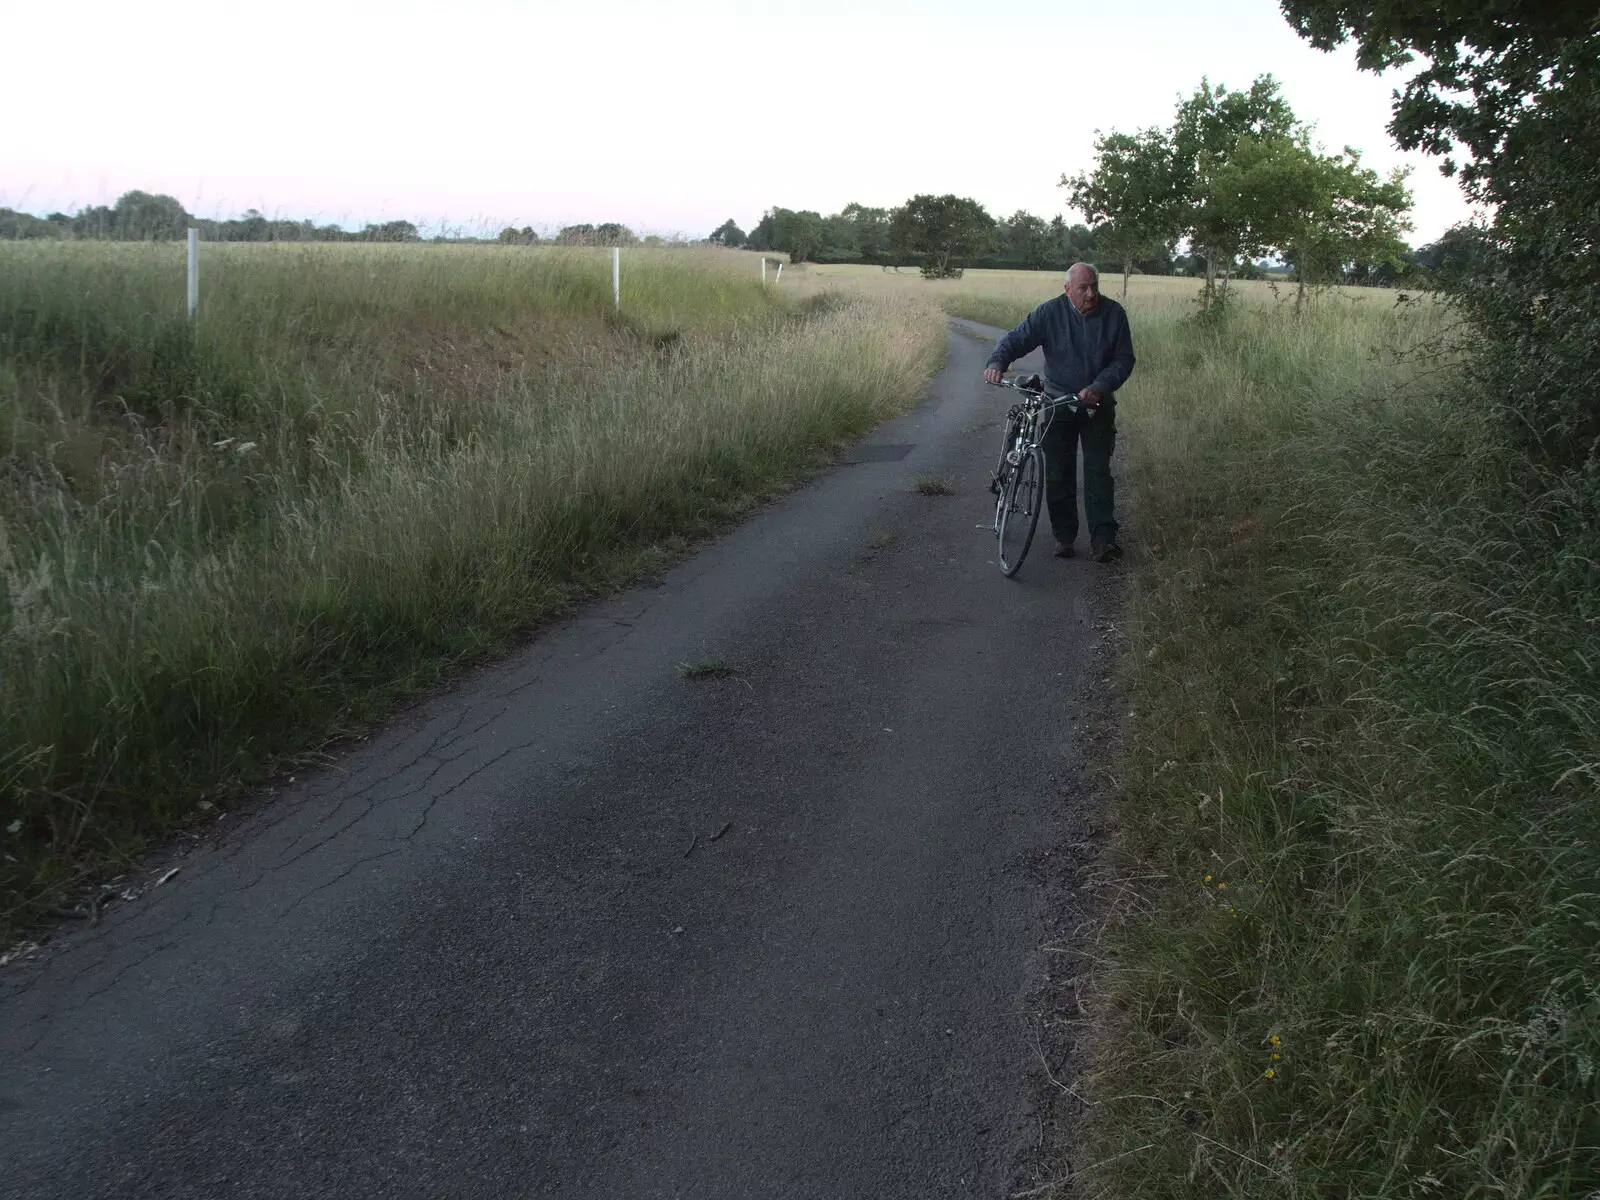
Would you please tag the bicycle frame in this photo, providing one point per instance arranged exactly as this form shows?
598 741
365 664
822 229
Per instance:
1027 423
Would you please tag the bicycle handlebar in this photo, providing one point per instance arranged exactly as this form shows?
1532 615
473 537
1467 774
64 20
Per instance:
1037 391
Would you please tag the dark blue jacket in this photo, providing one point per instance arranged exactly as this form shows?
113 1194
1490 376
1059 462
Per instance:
1094 351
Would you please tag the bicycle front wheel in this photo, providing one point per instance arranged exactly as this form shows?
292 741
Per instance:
1019 511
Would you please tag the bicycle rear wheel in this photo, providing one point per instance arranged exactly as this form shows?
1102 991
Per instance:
1019 511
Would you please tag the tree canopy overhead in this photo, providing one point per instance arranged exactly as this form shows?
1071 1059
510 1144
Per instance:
1513 85
1488 64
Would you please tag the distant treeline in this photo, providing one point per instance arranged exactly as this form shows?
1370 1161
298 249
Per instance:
149 217
859 234
1025 241
856 234
608 233
146 217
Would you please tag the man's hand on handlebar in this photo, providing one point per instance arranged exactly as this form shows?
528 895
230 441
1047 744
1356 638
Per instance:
1090 397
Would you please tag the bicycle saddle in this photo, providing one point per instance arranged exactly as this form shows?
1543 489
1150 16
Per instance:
1032 382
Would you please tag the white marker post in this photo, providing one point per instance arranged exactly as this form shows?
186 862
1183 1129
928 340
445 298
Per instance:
779 279
616 276
194 273
763 272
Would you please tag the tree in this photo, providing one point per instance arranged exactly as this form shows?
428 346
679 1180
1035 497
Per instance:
940 228
1070 243
1132 196
798 234
727 234
1358 221
1489 64
1205 133
1461 251
1514 86
870 229
838 240
1025 238
390 231
15 226
1320 212
143 217
760 237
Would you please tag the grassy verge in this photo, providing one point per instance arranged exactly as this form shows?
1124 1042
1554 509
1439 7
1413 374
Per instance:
373 464
1002 312
1356 950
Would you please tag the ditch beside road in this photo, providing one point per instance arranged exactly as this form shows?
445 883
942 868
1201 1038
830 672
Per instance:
593 925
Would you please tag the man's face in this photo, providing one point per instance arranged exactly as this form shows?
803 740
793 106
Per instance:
1083 289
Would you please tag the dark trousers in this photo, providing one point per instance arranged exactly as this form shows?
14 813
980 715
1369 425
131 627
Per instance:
1098 434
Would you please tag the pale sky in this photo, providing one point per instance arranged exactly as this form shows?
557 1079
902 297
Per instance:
668 117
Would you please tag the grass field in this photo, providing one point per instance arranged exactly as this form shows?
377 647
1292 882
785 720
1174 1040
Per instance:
372 464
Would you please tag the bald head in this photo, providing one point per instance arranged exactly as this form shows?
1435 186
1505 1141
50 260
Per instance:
1083 287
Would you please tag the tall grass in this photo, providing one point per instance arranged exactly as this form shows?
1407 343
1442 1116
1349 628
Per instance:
371 464
1357 945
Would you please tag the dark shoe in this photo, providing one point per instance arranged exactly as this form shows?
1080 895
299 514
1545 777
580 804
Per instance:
1064 550
1105 551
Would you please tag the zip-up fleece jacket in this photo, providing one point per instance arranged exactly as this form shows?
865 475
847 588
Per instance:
1094 351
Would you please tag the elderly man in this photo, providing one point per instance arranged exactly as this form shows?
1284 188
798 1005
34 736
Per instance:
1088 352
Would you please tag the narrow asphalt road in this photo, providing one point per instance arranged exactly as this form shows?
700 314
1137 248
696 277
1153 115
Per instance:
500 949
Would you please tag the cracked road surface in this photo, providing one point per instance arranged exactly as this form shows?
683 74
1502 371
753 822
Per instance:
499 949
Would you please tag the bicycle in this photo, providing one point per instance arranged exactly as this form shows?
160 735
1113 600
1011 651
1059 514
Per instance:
1018 482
